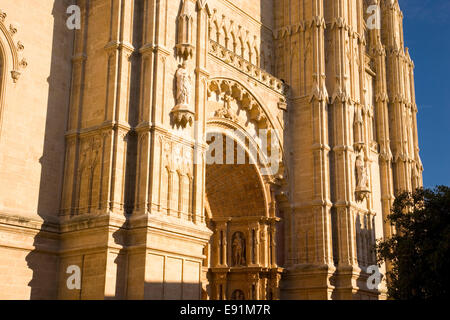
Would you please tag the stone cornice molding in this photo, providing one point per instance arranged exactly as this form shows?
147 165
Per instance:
302 26
113 46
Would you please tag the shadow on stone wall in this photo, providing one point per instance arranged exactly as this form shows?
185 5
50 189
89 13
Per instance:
43 259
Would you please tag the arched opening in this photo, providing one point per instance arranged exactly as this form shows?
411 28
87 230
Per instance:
241 259
243 178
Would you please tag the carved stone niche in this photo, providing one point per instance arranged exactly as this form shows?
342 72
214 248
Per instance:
185 42
238 249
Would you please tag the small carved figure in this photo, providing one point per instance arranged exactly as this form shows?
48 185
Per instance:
361 173
183 85
358 116
238 249
225 111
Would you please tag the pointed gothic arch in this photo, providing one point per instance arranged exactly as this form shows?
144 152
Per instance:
241 197
11 62
11 49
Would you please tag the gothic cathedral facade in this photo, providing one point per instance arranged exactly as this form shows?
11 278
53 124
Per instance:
201 149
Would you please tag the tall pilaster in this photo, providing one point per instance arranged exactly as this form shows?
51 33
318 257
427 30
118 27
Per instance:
168 225
152 107
398 84
417 166
378 53
301 55
97 138
201 89
344 40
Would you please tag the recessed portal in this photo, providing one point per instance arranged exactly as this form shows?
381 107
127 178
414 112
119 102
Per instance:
241 258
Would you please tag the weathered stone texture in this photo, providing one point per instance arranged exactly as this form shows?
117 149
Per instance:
106 136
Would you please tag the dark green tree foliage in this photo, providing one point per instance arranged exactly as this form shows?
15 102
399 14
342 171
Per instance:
419 252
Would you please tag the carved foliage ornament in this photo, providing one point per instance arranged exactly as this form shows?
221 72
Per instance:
18 62
231 90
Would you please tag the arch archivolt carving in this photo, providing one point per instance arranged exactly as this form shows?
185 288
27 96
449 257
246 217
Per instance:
234 107
11 61
226 89
241 137
241 121
242 210
12 49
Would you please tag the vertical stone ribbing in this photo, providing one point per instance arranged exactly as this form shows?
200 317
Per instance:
301 50
201 78
342 104
397 77
97 136
151 111
378 53
75 112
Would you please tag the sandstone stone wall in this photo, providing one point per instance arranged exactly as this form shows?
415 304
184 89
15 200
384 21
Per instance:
37 48
104 143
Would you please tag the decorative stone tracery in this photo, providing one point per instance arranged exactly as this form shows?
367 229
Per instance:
228 90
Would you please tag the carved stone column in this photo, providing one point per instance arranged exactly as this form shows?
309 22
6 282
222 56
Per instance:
97 134
396 60
301 34
201 89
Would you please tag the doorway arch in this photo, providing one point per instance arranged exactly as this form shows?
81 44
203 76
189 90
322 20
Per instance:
240 199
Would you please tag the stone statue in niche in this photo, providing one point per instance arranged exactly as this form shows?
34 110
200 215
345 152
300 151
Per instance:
361 171
362 178
237 295
182 113
238 249
183 85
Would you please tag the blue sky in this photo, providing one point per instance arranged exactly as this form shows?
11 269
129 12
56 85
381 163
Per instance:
427 34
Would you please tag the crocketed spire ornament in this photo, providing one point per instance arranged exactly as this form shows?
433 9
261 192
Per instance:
185 46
